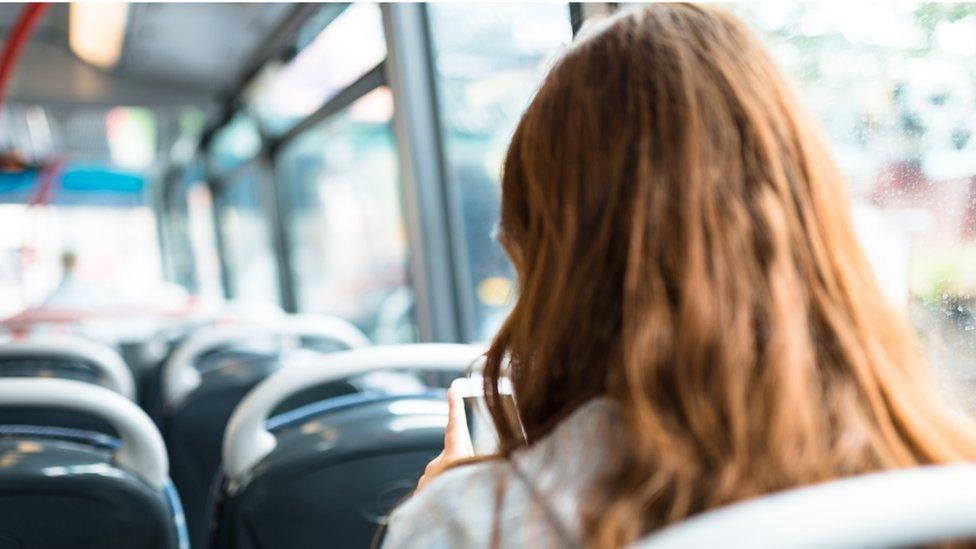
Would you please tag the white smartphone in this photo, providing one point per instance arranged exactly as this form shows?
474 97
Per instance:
484 436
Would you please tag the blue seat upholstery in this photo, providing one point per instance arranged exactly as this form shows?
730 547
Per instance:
59 488
339 467
195 428
51 364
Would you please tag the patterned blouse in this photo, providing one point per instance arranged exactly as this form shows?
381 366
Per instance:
531 500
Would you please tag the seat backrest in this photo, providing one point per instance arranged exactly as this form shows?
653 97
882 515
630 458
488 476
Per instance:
247 440
208 375
62 356
326 473
180 375
901 508
338 469
61 488
58 354
195 428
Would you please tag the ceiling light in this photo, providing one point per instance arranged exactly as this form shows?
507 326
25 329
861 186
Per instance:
96 32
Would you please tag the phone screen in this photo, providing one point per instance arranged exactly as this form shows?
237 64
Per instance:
484 437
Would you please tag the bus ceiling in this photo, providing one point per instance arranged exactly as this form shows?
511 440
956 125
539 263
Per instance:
167 54
162 61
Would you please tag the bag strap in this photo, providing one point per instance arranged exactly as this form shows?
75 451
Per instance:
558 526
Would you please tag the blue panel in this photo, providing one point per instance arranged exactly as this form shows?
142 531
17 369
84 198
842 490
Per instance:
16 186
91 178
78 185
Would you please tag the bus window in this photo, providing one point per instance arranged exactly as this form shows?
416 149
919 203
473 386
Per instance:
117 258
174 223
246 237
894 87
234 144
92 205
200 220
488 61
349 251
285 92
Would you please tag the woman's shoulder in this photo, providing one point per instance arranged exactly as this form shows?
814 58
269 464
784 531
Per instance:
463 482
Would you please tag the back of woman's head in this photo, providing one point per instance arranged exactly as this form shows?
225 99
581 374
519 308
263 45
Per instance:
684 247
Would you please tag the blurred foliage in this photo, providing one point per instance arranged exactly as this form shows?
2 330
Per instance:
929 16
940 273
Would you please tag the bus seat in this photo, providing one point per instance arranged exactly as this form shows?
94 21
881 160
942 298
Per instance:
69 357
328 473
62 356
153 354
181 376
156 351
209 374
63 488
901 508
144 342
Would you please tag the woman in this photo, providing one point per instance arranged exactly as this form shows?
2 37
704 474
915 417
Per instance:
696 323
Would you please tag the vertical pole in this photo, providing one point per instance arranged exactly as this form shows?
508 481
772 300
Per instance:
277 208
225 279
160 201
438 262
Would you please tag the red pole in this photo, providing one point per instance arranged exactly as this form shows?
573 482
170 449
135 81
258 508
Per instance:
19 35
47 177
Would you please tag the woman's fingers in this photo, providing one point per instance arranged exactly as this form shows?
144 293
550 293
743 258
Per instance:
433 469
457 439
434 466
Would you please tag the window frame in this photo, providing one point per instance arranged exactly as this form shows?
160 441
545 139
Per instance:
171 207
265 183
438 269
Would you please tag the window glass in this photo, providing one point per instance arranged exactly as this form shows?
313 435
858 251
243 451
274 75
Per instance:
77 227
349 250
174 222
246 237
284 93
894 88
118 263
488 61
131 137
200 220
234 144
893 85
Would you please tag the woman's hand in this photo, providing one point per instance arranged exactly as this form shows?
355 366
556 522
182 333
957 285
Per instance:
457 440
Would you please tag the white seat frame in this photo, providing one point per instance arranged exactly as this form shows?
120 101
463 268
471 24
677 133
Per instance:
180 376
898 508
142 450
113 373
247 440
